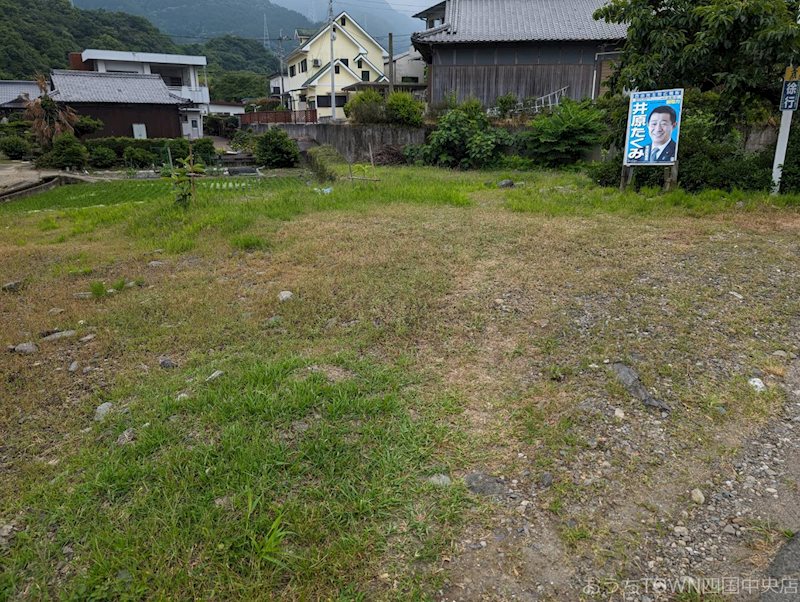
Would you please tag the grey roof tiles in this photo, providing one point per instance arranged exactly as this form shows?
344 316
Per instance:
521 20
127 88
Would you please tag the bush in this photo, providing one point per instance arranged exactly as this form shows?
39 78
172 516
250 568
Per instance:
204 150
563 136
463 138
711 156
138 157
15 147
404 109
274 148
87 125
243 140
506 104
67 152
366 107
178 147
102 157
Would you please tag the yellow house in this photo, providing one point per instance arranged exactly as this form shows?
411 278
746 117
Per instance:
356 57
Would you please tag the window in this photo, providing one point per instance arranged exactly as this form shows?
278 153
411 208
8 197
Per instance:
343 21
303 66
303 98
365 76
360 63
292 71
312 105
407 79
276 90
325 101
345 62
336 69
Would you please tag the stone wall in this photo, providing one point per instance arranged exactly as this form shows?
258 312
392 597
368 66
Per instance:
353 142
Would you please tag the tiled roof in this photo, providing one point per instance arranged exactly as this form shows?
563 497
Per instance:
11 90
128 88
521 20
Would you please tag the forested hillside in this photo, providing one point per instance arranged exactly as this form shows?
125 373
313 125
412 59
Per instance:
209 18
38 35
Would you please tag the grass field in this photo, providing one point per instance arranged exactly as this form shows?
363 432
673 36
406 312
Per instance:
438 325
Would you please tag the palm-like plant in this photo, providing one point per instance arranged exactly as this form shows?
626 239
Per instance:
49 119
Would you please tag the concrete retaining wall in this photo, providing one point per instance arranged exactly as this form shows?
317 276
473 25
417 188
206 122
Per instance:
352 141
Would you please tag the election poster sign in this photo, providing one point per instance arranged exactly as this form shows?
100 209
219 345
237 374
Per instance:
653 130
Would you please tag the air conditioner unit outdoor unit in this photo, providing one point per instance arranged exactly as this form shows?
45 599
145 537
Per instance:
316 63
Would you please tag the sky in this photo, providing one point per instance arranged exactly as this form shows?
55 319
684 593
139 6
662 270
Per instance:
409 7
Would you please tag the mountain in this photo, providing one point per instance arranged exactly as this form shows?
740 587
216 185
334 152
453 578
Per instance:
38 35
195 20
378 17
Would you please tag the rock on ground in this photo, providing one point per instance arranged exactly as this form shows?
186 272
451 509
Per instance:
102 411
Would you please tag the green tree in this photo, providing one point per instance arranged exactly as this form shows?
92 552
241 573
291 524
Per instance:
38 35
238 85
739 48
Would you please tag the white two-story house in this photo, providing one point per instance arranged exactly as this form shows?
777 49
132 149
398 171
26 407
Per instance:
356 57
184 76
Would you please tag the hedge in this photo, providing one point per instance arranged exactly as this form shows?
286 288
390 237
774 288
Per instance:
157 146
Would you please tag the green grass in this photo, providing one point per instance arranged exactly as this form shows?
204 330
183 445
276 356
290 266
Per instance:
270 478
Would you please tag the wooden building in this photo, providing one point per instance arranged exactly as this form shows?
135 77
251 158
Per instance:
530 48
128 104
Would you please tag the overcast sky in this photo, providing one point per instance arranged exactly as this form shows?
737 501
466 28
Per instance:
409 7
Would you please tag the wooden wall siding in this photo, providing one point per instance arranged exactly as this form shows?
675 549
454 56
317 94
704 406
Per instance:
162 121
488 82
540 53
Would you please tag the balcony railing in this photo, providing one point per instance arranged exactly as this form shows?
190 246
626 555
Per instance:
197 94
267 117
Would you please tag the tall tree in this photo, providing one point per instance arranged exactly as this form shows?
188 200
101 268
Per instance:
738 48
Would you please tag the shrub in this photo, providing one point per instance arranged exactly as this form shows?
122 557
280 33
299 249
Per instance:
274 148
138 157
87 125
178 147
204 150
67 151
705 162
102 157
563 136
506 104
15 147
243 140
404 109
463 138
366 107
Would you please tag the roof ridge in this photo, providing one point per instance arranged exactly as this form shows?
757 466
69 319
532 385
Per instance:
81 73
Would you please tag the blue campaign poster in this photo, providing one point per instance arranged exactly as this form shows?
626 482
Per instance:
654 121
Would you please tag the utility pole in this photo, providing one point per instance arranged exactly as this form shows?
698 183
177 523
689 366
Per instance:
391 63
333 68
280 65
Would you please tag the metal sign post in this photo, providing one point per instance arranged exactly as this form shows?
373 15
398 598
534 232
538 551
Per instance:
789 101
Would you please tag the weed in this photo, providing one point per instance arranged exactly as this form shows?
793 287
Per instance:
249 242
98 289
